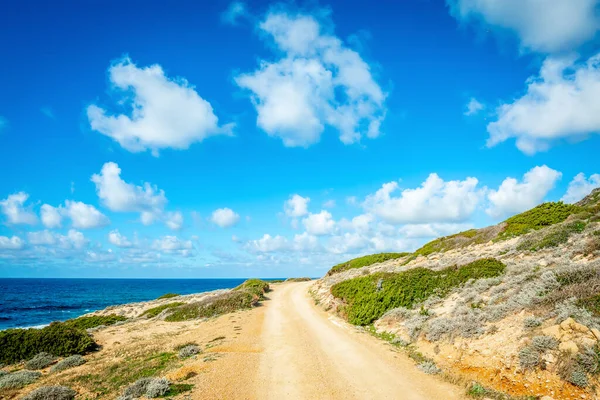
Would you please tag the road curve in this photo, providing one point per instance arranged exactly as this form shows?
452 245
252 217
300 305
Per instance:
310 355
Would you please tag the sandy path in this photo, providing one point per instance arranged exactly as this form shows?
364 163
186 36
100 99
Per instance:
310 355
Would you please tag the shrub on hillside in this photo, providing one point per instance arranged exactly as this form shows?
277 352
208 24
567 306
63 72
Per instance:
555 237
57 338
429 367
149 387
305 279
94 321
168 296
40 361
365 261
543 343
19 379
157 388
51 393
529 357
154 311
69 362
189 351
213 306
532 322
545 214
365 303
257 287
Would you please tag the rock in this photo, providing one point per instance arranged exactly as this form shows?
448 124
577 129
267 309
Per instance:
577 327
569 347
547 398
553 331
586 342
566 324
596 333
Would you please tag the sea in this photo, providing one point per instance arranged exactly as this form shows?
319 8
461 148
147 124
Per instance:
34 303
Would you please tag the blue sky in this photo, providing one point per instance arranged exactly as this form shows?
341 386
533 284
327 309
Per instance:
219 139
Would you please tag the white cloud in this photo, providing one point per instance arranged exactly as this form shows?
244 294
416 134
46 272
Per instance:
42 238
329 204
72 240
580 187
12 243
225 217
165 112
318 82
319 224
174 220
174 245
473 107
352 200
513 197
234 13
118 195
115 238
296 206
435 201
51 216
417 231
541 25
268 244
361 223
15 212
84 216
563 102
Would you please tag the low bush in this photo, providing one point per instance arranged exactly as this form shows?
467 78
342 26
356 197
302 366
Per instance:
257 287
545 214
69 362
189 351
365 302
543 343
19 379
149 387
365 261
556 237
578 378
157 388
138 388
51 393
429 367
168 296
94 321
529 357
305 279
213 306
532 322
154 311
40 361
57 338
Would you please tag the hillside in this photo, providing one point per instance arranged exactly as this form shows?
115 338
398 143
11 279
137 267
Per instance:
514 307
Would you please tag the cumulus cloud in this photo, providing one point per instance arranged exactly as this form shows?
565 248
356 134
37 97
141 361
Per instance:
225 217
319 224
165 112
174 220
562 102
435 201
15 212
541 25
473 107
236 11
174 245
51 216
317 82
329 204
11 243
432 230
580 187
513 197
268 244
73 240
118 195
84 216
296 206
115 238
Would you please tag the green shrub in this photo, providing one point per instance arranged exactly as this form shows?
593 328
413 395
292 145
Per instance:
94 321
58 338
529 357
303 279
578 378
168 296
189 351
153 312
545 214
257 287
18 379
51 393
365 302
40 361
149 387
365 261
532 322
214 306
555 238
543 343
69 362
158 388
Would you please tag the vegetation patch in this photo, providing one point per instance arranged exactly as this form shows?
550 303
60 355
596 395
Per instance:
368 298
555 238
178 388
154 311
544 215
303 279
189 351
40 361
94 321
214 306
51 393
591 304
257 287
19 379
69 362
365 261
168 296
58 339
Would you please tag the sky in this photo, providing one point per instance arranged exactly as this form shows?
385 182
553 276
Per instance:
188 139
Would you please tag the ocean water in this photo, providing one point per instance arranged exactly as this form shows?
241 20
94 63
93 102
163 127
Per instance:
37 302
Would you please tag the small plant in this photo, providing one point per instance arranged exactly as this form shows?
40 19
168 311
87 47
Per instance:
545 214
40 361
257 287
69 362
477 390
157 388
543 343
578 378
429 367
529 357
365 261
532 322
51 393
189 351
137 389
19 379
168 296
154 311
588 360
94 321
214 306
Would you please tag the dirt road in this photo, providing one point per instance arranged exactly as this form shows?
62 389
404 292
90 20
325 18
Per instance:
310 355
